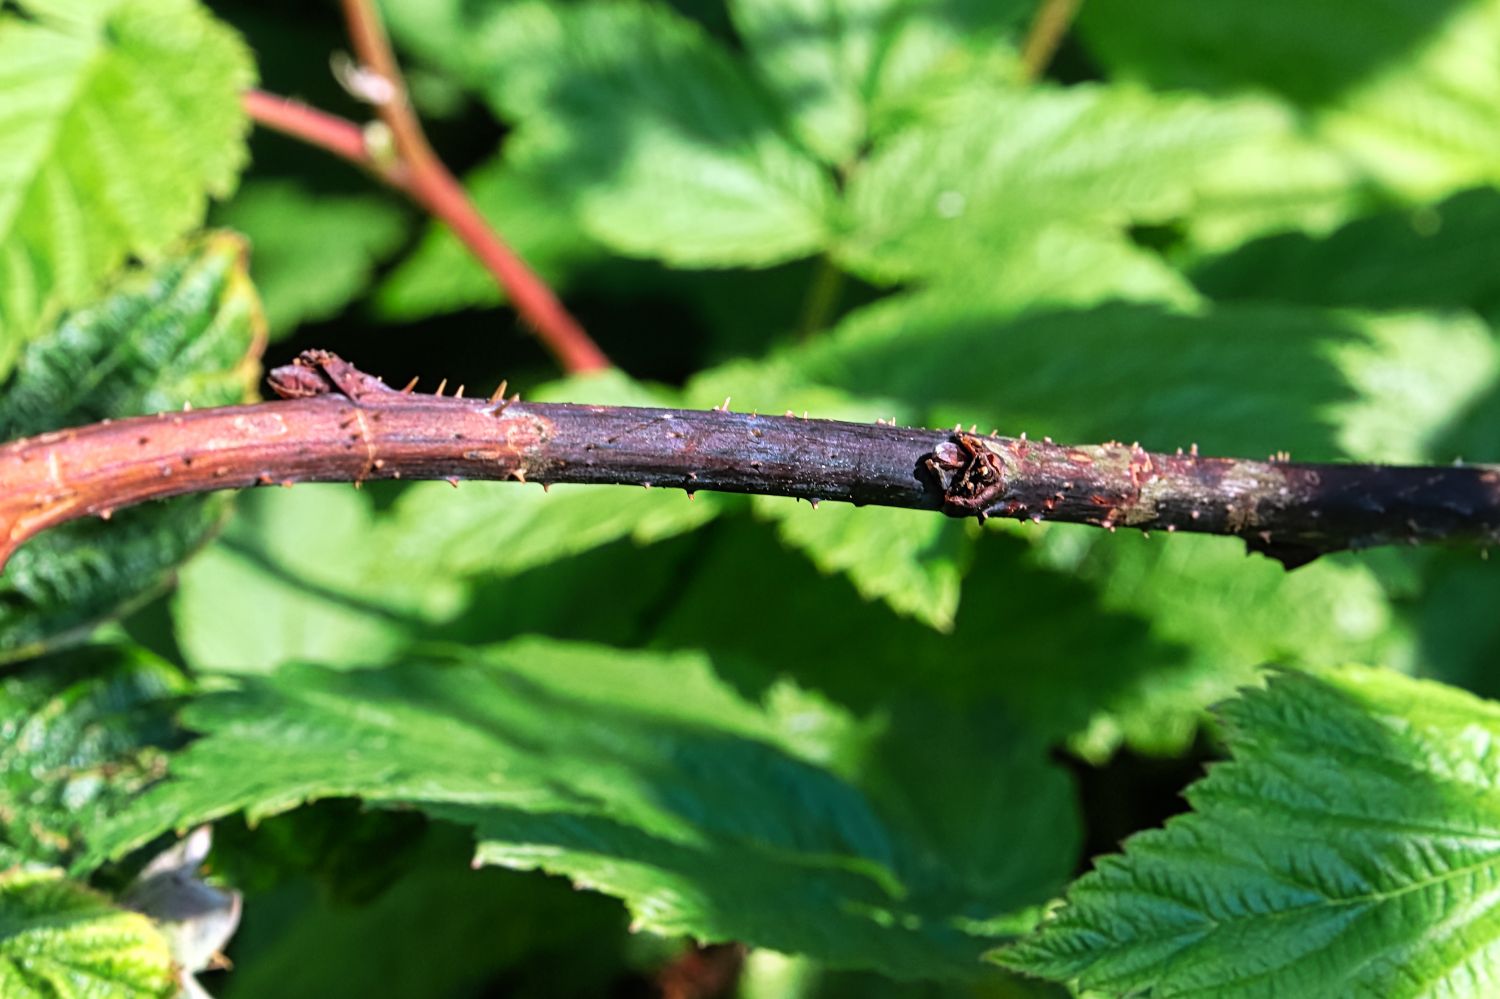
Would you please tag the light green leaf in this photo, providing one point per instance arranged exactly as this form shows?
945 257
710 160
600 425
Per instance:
1405 89
651 132
1415 376
297 577
648 776
63 940
843 69
78 733
120 119
441 275
311 254
1348 849
1004 169
185 331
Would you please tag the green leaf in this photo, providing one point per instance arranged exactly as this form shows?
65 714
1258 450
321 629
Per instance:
536 934
652 133
651 778
1348 849
311 255
911 559
1224 617
1415 376
1098 640
440 275
1405 89
78 733
1241 379
296 577
1004 170
181 332
1458 635
1401 259
121 118
1026 641
846 68
61 939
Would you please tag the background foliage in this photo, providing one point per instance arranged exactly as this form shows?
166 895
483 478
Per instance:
892 753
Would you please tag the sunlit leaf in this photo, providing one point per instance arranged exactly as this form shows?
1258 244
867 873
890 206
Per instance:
120 119
661 142
61 939
1349 848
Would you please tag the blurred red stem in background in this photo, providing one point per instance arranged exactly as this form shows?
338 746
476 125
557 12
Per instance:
417 172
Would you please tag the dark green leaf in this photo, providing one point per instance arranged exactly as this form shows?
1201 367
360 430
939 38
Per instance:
650 778
1226 614
1413 258
443 929
181 332
79 736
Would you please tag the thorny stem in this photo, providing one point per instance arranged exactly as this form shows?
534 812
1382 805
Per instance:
1048 27
337 424
420 175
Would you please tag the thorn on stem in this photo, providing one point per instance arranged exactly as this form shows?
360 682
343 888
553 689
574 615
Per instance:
411 385
499 393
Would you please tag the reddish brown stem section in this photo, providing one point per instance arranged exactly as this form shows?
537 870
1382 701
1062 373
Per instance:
336 135
337 424
420 175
